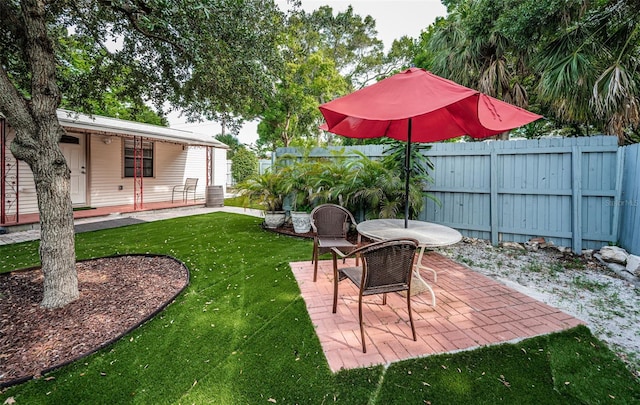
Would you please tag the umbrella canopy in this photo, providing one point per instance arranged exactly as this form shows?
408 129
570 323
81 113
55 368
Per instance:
418 106
439 109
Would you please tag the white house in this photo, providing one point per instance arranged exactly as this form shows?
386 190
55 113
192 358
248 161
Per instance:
102 154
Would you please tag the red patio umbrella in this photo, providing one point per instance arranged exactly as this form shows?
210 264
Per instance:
418 106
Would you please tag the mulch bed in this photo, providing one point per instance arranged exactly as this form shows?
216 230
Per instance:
117 294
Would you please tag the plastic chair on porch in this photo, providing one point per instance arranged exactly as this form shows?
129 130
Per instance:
189 186
387 266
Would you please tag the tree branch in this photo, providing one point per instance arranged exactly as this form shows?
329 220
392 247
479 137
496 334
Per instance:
13 106
45 94
133 12
10 18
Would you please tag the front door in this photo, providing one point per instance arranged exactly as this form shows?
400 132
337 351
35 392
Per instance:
73 150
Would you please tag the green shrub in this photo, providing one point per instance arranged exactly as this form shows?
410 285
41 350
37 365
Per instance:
244 164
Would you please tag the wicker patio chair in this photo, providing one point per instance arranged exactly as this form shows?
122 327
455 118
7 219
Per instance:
330 225
189 186
387 266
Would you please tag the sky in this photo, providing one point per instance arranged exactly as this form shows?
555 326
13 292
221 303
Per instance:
394 19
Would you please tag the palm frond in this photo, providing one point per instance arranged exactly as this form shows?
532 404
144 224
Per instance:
614 86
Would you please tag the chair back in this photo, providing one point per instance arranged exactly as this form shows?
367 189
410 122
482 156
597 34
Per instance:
190 182
331 221
387 266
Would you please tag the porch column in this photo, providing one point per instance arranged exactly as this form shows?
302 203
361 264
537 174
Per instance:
9 197
209 165
138 173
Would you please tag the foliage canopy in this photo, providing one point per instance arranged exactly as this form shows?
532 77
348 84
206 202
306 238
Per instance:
210 58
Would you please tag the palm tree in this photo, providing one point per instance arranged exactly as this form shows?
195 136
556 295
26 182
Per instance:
589 70
377 190
265 189
469 48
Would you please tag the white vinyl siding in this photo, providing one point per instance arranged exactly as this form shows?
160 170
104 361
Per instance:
27 198
220 168
105 174
106 183
173 163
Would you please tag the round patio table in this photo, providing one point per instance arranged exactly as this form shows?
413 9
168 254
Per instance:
428 235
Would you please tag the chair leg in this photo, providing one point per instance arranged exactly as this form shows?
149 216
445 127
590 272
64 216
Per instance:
316 251
314 259
315 264
413 329
364 346
335 283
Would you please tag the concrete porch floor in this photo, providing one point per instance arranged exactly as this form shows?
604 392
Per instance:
31 221
471 311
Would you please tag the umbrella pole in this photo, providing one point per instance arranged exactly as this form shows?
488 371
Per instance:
407 162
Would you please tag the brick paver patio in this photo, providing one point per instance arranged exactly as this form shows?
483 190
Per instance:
472 310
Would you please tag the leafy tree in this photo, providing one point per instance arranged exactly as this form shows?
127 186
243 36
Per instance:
346 38
208 57
574 61
231 141
327 55
113 101
293 111
243 164
422 55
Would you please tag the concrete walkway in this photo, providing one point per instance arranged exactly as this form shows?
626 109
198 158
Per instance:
116 220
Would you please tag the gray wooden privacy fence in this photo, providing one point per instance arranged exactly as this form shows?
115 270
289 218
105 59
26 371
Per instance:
576 192
630 200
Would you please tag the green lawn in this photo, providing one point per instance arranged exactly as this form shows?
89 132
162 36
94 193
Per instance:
240 334
240 202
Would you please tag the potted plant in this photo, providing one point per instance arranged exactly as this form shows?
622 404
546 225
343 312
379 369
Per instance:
301 219
266 190
298 183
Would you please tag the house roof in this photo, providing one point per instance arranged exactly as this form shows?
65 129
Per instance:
115 126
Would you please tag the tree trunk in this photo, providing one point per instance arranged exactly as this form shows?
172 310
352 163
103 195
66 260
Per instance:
285 132
51 176
38 132
57 244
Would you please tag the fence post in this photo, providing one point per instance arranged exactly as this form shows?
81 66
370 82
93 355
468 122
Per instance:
493 185
616 200
576 199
